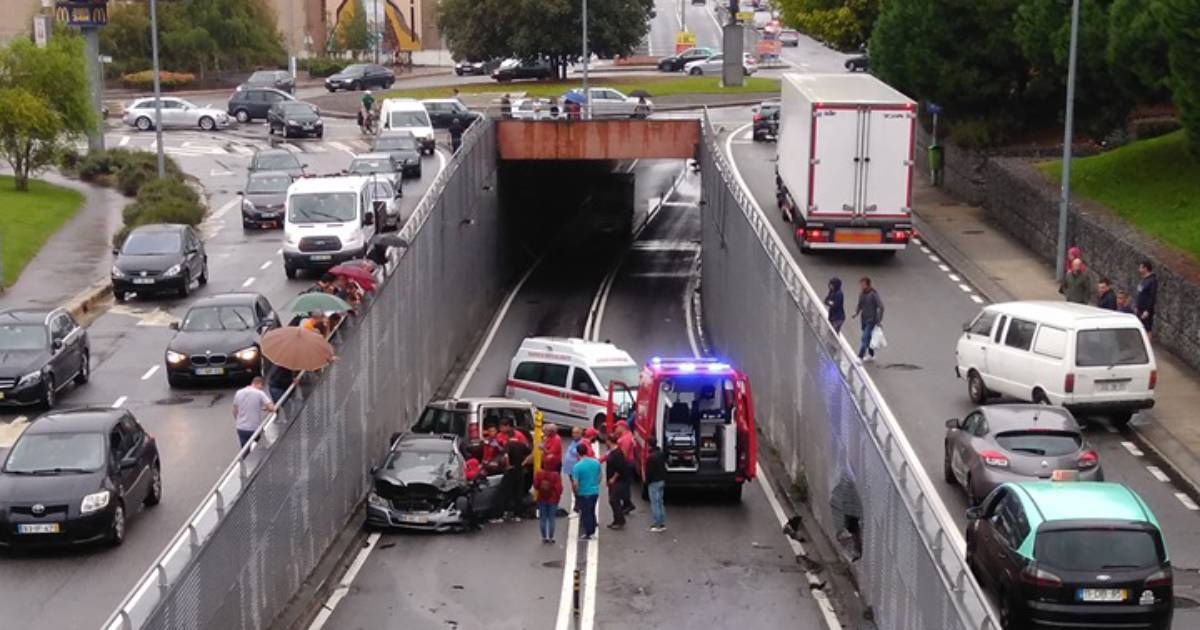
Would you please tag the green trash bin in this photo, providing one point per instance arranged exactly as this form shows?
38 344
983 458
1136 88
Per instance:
936 156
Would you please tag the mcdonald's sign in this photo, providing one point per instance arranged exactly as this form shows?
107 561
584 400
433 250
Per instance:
86 13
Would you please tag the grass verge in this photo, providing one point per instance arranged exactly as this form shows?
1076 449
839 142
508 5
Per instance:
1154 184
655 86
27 219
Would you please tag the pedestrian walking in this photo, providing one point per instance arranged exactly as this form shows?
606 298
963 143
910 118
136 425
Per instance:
456 132
585 479
505 107
1106 298
250 407
617 478
1077 284
549 491
656 485
1124 304
835 301
279 379
870 309
1147 295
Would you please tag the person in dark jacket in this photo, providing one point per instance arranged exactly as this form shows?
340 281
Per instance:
505 107
1123 303
1147 295
835 302
870 307
1107 298
279 379
456 132
656 484
513 483
1077 284
616 473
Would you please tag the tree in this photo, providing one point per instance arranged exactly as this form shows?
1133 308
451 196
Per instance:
44 98
844 24
353 34
1137 50
1182 21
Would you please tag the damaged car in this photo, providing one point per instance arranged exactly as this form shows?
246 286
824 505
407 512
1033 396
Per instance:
423 484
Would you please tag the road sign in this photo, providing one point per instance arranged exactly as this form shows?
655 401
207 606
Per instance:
745 16
41 30
684 40
85 13
933 108
105 58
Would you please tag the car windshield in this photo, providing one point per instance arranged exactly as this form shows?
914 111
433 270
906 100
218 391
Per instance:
268 184
435 420
368 166
263 76
1041 443
1110 346
626 374
151 244
1097 549
392 143
22 337
276 162
50 453
355 69
381 190
408 119
293 108
208 318
409 459
322 208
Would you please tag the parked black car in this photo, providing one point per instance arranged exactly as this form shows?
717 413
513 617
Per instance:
263 199
277 160
249 104
403 147
476 68
859 63
218 339
515 69
295 118
41 352
278 79
766 121
422 485
675 63
159 258
360 76
443 111
74 477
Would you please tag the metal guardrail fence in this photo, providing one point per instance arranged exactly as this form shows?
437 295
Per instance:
249 546
821 411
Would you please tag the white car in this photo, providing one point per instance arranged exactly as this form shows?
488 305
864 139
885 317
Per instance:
713 64
534 109
176 112
609 103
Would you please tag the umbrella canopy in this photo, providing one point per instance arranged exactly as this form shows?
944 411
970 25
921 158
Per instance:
294 348
388 240
640 94
306 303
363 277
575 96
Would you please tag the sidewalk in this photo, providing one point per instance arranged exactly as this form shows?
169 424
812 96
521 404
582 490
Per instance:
1003 269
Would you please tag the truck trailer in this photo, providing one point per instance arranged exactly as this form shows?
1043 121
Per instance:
845 169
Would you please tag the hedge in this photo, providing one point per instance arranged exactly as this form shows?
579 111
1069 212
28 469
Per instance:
167 200
127 170
322 66
144 80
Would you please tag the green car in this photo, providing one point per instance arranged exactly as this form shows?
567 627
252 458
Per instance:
1058 554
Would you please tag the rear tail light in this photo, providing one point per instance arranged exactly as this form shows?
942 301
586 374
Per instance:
897 236
1153 378
814 235
1088 459
994 459
757 117
1039 577
1069 384
1162 577
473 432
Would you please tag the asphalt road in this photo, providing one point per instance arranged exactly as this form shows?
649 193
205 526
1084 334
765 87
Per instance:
77 588
927 302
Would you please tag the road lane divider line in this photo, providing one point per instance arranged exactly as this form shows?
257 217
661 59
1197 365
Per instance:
944 268
1187 501
965 288
1133 449
976 299
587 618
954 277
491 333
150 372
566 594
936 260
119 402
249 281
220 212
1158 474
265 265
343 587
124 141
340 147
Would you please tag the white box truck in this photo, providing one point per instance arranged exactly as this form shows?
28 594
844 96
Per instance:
844 174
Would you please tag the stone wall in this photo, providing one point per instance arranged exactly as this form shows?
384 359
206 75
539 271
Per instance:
1021 201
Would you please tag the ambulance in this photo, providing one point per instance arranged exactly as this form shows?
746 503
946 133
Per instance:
569 379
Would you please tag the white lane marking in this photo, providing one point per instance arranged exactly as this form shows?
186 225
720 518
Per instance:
491 334
265 265
249 281
340 147
279 252
242 150
441 156
917 241
925 250
225 207
566 594
1111 429
343 587
1187 501
665 246
955 278
1158 474
934 258
588 615
976 299
150 372
120 401
1133 449
124 141
944 268
965 288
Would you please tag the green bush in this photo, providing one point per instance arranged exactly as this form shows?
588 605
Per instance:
322 66
69 159
144 80
127 169
978 133
167 200
1146 128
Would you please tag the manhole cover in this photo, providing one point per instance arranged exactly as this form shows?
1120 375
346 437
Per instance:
1186 602
972 232
174 400
901 366
558 564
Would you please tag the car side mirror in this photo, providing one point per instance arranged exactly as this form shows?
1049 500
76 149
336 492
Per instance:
974 513
374 469
128 463
173 325
57 344
116 251
952 423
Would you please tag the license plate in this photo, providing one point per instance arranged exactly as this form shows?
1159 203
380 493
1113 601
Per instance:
857 236
1101 594
1111 386
269 215
210 371
38 528
321 257
269 224
143 280
413 518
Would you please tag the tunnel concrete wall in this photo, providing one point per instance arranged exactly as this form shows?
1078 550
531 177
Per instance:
597 139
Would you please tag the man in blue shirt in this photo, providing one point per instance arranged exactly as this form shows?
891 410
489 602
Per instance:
585 479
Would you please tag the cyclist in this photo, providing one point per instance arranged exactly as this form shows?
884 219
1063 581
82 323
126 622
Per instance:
364 114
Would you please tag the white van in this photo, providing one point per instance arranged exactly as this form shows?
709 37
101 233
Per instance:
408 114
329 220
1084 358
568 379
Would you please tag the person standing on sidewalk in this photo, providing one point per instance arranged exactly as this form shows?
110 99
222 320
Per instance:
585 479
656 484
571 457
835 301
549 491
1123 303
1107 298
617 477
870 308
250 407
1077 284
456 133
1147 295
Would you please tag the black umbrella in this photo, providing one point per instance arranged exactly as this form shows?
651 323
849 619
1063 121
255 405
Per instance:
640 94
388 240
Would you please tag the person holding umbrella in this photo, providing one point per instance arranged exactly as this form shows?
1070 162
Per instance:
296 349
307 303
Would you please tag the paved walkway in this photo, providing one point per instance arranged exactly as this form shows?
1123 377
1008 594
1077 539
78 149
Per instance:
1004 269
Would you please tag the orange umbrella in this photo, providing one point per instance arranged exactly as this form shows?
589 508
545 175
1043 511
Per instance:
294 348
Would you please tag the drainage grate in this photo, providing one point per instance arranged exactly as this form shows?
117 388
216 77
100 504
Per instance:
972 232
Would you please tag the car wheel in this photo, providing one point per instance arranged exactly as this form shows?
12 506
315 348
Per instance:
242 116
186 288
204 273
972 499
947 470
289 271
388 84
458 72
331 90
207 124
116 529
283 131
1120 418
695 72
120 296
50 392
734 493
849 66
247 224
321 133
354 86
143 124
418 175
85 370
173 381
1009 620
154 494
976 389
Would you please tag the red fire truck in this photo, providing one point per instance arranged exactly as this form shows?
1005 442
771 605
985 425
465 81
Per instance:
702 415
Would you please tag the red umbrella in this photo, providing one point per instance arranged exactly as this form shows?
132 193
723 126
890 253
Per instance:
357 274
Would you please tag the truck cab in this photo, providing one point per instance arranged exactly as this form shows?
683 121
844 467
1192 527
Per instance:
701 413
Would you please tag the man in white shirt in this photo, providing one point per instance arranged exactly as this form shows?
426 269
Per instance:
250 407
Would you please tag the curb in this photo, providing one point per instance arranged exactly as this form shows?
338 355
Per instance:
84 306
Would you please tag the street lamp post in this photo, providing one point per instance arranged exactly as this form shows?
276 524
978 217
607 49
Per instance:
158 136
1068 135
377 34
587 96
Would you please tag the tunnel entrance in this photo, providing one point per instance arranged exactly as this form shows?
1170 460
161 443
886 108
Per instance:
584 202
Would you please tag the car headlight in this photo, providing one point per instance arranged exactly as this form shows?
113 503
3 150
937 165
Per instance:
95 501
31 378
292 123
247 354
377 501
117 273
175 358
247 205
173 270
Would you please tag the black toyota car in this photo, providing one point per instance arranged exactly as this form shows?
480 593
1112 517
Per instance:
159 258
41 352
218 339
74 477
403 147
263 199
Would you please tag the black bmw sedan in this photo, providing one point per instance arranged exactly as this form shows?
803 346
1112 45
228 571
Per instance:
218 339
75 477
